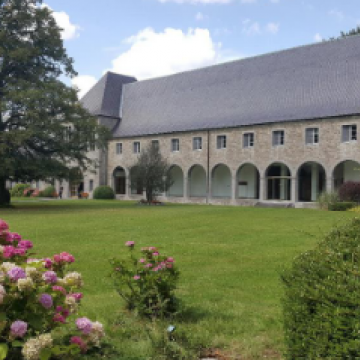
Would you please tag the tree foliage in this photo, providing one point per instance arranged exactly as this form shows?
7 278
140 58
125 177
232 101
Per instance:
151 173
43 127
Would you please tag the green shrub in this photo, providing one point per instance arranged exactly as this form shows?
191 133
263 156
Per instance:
341 206
18 190
146 282
327 199
322 298
104 193
49 192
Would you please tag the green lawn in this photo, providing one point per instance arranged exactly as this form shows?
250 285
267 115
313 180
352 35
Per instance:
230 260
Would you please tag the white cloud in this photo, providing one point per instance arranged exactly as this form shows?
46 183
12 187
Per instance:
84 83
254 28
155 54
197 1
200 16
272 28
318 37
337 14
251 27
69 30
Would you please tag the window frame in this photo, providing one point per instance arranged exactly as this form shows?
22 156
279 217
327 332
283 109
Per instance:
136 147
197 140
91 185
221 142
350 133
248 143
282 137
119 148
175 145
155 142
315 134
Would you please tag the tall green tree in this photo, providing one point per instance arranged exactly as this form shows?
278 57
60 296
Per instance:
151 173
352 32
44 130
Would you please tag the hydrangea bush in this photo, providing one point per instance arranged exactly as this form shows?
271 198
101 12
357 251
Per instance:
39 300
147 282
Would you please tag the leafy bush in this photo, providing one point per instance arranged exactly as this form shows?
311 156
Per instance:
327 199
104 193
350 191
49 192
341 206
18 190
147 283
322 298
38 298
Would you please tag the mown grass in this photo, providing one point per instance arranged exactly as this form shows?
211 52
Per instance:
230 260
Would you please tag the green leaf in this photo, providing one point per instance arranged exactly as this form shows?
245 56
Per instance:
45 354
4 348
17 343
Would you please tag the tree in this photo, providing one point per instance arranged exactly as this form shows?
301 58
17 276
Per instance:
352 32
151 173
44 130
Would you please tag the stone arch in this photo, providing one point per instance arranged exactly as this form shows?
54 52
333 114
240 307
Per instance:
247 182
278 181
346 170
119 178
311 181
197 181
177 175
221 181
139 189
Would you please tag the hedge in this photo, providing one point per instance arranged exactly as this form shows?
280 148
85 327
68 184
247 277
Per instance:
18 190
321 304
341 206
104 193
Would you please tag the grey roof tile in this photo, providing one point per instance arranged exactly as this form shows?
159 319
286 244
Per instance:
309 82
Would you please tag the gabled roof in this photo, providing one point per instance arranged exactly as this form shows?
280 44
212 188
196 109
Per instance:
104 98
310 82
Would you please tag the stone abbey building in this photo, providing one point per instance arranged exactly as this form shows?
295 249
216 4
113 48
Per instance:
280 127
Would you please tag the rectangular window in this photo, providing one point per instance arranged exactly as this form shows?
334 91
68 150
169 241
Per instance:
197 143
248 140
155 143
278 138
349 133
137 147
119 148
221 142
312 136
175 145
91 185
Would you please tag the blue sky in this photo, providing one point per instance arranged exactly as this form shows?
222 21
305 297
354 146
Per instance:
149 38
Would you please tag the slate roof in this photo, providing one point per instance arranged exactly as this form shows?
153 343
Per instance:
105 97
310 82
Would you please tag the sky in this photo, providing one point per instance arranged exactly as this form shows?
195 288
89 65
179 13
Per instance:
152 38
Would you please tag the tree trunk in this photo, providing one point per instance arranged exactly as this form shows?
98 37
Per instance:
4 193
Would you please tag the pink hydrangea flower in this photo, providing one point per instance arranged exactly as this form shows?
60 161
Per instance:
11 237
3 227
46 301
16 273
60 289
18 328
130 243
19 251
50 277
8 252
77 296
64 257
25 244
142 261
59 318
78 341
170 260
136 277
84 325
48 263
149 265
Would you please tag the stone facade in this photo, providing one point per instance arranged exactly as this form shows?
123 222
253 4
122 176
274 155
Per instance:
328 154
